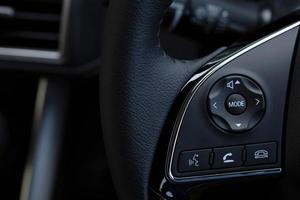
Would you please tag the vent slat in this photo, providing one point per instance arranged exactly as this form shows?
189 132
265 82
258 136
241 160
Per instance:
31 35
38 16
30 24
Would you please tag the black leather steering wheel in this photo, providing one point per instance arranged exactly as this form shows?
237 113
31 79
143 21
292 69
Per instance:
138 86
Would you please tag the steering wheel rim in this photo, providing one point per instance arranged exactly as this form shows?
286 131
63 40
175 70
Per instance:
138 85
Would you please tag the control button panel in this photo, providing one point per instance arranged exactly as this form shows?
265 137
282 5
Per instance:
194 160
228 157
236 103
261 153
220 158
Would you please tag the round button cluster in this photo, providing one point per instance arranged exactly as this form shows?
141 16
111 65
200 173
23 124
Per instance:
236 103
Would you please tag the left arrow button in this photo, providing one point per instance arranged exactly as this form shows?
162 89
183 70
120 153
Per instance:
215 105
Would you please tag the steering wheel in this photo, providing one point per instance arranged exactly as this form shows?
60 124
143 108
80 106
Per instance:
140 86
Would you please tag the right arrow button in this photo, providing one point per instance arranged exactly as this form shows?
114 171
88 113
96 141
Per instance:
257 102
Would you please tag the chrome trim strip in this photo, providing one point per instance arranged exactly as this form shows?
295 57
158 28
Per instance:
187 101
38 112
47 55
64 27
30 53
230 175
47 132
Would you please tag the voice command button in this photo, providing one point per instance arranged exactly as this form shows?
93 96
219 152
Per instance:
190 161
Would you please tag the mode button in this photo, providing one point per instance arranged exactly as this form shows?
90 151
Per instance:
236 104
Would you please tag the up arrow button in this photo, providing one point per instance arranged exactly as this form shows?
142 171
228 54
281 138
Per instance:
238 125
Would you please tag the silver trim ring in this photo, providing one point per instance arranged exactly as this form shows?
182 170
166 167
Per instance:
190 97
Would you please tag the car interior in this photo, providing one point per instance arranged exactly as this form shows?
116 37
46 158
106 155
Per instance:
149 99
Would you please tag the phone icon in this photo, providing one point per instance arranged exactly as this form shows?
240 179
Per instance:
261 154
226 158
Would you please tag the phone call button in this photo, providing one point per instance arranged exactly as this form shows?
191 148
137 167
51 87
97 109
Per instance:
258 154
228 157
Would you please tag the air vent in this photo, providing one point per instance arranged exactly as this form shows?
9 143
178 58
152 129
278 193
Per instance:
32 25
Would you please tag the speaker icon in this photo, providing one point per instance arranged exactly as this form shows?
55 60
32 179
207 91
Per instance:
230 85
